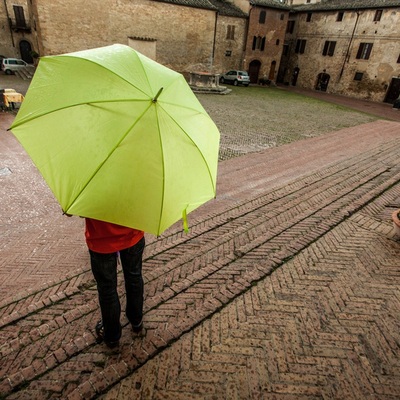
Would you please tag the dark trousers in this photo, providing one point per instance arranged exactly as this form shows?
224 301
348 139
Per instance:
104 268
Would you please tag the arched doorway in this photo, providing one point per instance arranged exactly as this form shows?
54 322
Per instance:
25 49
322 81
271 75
393 92
254 70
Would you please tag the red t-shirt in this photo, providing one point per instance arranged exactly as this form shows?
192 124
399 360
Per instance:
105 237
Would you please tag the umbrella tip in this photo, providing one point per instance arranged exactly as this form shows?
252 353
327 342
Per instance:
154 100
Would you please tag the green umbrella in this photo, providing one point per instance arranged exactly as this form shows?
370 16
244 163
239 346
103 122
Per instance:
119 138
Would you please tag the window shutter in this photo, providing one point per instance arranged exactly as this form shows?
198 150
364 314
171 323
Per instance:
331 50
326 46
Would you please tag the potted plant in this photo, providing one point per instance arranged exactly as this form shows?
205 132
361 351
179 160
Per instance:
35 57
396 221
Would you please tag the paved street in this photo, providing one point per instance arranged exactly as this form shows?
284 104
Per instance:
286 287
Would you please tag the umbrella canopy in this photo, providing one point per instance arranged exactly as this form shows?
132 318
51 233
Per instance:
119 138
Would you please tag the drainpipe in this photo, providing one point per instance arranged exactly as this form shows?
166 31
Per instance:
214 40
9 22
349 46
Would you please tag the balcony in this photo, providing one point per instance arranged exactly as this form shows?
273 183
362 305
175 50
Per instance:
19 26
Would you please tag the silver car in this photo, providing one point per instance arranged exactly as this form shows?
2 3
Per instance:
9 65
236 78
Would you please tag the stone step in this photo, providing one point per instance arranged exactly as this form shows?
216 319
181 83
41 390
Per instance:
25 73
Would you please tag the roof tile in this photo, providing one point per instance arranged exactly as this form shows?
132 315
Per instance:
226 8
191 3
346 5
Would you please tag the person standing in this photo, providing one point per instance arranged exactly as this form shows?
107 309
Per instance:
105 242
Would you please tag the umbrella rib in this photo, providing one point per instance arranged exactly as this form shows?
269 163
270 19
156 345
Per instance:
23 121
109 155
163 168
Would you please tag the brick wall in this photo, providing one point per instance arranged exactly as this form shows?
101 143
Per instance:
273 30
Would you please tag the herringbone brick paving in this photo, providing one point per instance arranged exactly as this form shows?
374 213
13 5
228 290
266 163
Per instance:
296 247
285 290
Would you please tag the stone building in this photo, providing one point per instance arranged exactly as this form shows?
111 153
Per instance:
181 34
345 47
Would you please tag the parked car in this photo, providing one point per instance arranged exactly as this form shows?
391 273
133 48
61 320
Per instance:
236 78
10 65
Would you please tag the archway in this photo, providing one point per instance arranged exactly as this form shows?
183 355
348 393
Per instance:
25 49
322 81
254 70
393 92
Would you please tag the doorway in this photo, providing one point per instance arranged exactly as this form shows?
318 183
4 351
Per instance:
393 92
322 81
254 70
25 49
295 75
271 75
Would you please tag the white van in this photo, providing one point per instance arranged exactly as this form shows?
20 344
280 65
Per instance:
9 65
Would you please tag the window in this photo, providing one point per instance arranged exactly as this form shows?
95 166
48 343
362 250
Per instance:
258 43
378 15
308 19
19 16
300 46
282 17
228 53
398 60
230 32
329 48
364 51
261 19
358 76
277 42
340 16
290 27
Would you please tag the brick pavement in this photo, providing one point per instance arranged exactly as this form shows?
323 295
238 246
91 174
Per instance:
285 287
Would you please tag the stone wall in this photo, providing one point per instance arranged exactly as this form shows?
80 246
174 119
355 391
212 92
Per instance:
180 36
229 50
6 48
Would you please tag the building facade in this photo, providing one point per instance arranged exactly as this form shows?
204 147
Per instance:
345 47
16 37
349 47
265 39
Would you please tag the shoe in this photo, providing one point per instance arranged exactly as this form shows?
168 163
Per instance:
137 328
99 328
